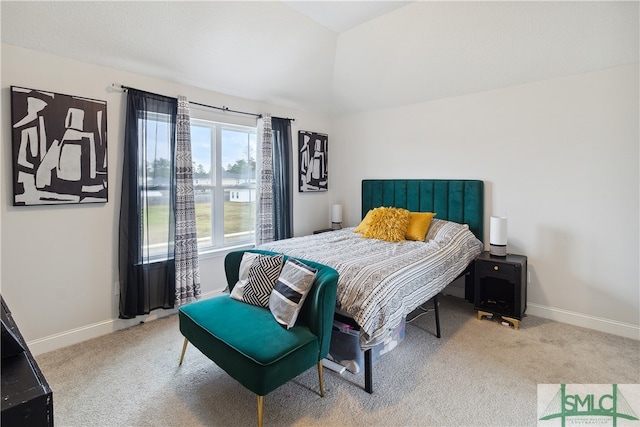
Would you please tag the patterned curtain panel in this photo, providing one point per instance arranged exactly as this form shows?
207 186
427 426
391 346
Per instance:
264 187
147 222
186 242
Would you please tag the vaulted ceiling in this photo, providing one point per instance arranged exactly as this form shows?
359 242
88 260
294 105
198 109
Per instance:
334 57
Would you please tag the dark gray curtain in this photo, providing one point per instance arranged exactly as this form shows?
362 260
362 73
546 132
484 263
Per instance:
147 221
282 179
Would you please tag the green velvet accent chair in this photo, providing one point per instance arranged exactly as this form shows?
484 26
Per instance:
250 345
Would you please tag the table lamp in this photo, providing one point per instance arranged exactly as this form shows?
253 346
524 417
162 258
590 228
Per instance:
336 217
498 236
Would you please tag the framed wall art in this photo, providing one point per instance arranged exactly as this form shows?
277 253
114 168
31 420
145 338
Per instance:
59 148
312 161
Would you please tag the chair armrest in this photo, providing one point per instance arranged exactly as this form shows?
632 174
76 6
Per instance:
319 306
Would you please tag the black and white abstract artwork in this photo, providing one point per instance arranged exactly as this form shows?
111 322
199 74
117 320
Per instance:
59 148
312 161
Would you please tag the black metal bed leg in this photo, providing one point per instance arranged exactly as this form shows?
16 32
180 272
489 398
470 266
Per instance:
368 380
435 306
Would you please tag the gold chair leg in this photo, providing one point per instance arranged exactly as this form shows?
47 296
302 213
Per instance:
184 349
321 378
260 404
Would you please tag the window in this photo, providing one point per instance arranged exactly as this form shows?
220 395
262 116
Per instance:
154 166
224 176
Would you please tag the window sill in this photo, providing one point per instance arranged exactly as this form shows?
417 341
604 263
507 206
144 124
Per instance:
220 252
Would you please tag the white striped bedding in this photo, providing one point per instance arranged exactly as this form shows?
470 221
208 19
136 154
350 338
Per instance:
381 282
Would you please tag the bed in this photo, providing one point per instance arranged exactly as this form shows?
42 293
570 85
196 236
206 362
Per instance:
381 282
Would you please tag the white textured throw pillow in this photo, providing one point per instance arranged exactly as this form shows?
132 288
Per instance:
292 287
243 275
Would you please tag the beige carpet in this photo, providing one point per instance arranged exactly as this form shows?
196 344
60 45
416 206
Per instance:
478 374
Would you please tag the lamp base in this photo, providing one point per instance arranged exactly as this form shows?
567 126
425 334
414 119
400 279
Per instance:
498 250
336 226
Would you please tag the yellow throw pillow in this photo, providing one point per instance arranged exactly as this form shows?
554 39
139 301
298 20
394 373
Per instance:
364 225
388 224
418 225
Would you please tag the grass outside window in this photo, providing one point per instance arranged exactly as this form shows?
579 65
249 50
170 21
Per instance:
238 217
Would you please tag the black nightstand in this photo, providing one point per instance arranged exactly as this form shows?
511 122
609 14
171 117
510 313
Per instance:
324 230
501 287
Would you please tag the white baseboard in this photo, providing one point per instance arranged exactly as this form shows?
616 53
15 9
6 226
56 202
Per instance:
74 336
626 330
77 335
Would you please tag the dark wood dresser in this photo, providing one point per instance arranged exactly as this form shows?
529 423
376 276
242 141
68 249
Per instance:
27 399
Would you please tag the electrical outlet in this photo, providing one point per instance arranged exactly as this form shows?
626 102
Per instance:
116 288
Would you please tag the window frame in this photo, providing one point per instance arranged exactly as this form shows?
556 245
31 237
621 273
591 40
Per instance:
217 186
154 252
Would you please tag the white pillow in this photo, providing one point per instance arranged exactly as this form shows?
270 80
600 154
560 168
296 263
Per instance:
243 275
442 231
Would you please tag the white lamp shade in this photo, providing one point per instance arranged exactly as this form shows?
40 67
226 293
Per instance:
336 213
498 236
498 230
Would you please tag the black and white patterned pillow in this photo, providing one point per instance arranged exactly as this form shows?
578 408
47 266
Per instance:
263 275
292 287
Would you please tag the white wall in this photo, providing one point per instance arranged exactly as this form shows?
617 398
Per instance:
558 157
59 263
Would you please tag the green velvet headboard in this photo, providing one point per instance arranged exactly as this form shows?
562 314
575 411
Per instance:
453 200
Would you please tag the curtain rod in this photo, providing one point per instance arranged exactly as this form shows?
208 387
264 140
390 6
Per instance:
226 109
223 108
